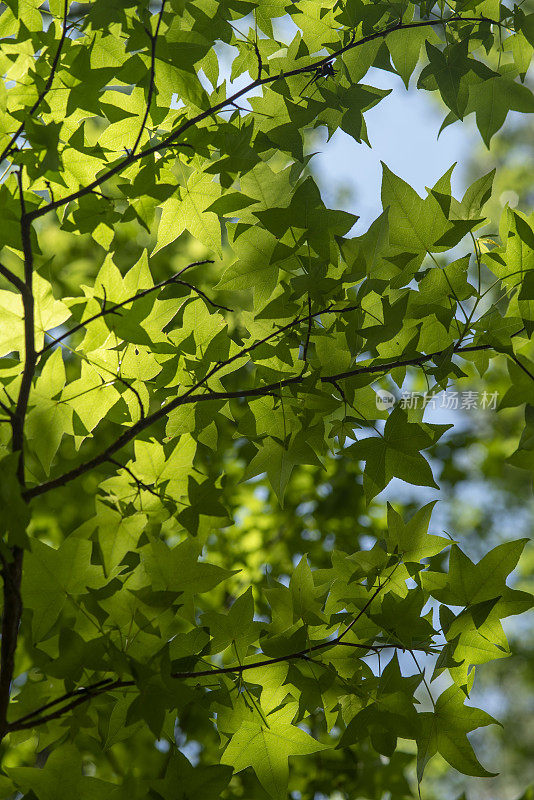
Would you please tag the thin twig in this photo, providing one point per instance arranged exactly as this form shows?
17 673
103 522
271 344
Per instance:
6 410
522 366
151 84
129 386
258 56
141 484
13 279
204 296
308 334
65 697
114 308
366 606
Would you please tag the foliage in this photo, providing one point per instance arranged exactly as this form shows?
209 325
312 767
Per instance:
228 327
476 467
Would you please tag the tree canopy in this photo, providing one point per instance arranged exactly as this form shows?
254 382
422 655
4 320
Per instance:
198 356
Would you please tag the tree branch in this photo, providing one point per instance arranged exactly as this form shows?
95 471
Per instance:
12 569
522 366
13 279
139 483
30 360
260 391
308 334
139 426
174 135
63 699
11 615
83 698
108 685
132 389
258 56
7 411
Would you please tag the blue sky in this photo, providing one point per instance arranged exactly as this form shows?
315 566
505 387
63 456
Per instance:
403 131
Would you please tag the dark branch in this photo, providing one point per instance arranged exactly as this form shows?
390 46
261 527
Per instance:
139 426
308 334
260 391
29 334
522 366
83 695
204 296
7 411
140 484
63 699
12 567
83 698
258 56
13 279
11 615
132 389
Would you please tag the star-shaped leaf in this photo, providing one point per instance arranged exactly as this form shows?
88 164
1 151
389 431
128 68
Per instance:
396 453
279 461
445 730
236 628
266 746
411 539
469 583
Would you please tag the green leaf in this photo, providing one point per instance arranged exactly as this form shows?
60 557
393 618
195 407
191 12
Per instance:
118 536
415 225
182 780
308 213
15 515
52 577
476 196
178 570
445 730
236 629
411 539
61 778
265 745
448 68
471 583
49 413
491 101
396 453
405 48
278 461
256 264
191 213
